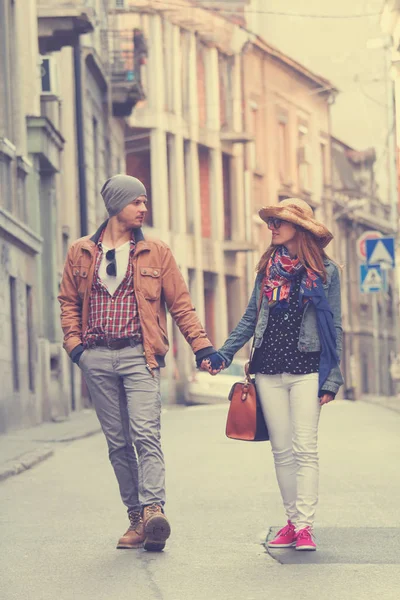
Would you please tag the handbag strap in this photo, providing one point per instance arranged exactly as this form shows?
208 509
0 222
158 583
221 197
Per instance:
247 366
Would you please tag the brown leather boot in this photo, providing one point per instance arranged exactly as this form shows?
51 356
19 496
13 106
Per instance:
134 536
156 528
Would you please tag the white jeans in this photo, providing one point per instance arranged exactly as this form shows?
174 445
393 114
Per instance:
291 407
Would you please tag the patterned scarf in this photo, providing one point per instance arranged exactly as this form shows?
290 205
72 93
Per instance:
281 271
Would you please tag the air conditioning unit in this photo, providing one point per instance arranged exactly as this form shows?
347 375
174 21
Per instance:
304 155
120 3
48 72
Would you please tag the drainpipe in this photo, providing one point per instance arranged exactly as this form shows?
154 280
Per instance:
80 138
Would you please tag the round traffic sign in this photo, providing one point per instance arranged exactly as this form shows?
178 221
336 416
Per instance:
361 249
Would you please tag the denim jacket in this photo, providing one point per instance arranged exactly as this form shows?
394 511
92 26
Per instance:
250 326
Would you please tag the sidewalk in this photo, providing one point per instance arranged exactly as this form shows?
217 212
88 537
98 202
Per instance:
390 402
23 449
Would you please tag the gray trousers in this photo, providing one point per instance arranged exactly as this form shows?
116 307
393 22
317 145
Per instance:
127 400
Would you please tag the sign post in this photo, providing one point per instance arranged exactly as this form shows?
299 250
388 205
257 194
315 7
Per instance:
377 255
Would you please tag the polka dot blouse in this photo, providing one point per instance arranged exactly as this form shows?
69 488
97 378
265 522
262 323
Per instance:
279 351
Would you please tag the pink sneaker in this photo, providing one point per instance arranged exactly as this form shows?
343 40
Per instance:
285 538
304 539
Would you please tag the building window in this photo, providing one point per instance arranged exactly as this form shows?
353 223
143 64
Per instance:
29 326
168 53
227 185
65 241
192 282
185 78
173 220
226 90
205 200
283 150
138 164
188 193
324 164
257 130
14 332
95 134
201 84
303 158
258 195
7 69
107 159
364 374
209 305
21 195
5 182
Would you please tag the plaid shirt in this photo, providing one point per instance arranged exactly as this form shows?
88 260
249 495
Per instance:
112 317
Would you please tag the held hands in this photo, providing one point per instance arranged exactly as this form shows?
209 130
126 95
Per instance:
325 398
214 363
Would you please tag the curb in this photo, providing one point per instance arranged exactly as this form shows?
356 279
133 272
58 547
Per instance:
33 458
25 462
388 402
72 438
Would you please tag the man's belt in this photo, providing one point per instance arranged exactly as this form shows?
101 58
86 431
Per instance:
115 344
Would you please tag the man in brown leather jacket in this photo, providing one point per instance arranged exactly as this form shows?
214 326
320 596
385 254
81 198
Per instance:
114 292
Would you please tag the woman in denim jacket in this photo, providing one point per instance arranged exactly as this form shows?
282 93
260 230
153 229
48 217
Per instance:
294 314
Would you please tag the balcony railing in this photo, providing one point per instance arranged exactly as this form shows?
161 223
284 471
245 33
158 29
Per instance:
61 22
127 56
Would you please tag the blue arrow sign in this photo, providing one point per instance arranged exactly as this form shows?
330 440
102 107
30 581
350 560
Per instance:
371 279
381 252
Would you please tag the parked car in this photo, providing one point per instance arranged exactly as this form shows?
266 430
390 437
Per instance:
205 389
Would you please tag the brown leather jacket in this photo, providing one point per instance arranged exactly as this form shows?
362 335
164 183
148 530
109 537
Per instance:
158 284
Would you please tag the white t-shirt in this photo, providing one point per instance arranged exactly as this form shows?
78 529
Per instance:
122 257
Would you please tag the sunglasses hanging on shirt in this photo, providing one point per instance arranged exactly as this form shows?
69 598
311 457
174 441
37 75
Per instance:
111 269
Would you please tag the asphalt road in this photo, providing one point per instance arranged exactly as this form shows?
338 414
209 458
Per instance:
60 521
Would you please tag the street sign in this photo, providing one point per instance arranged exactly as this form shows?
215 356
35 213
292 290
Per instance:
367 235
371 279
380 252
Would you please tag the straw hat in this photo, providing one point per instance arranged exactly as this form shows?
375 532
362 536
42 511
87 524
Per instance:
298 212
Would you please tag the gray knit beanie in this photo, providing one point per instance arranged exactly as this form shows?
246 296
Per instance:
119 191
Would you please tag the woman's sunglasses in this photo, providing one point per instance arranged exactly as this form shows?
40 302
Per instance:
274 222
112 267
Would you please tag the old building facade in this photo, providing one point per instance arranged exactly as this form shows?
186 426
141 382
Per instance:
230 124
186 144
369 320
223 123
59 140
286 110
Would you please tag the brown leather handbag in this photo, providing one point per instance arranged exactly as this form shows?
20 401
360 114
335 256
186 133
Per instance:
245 416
